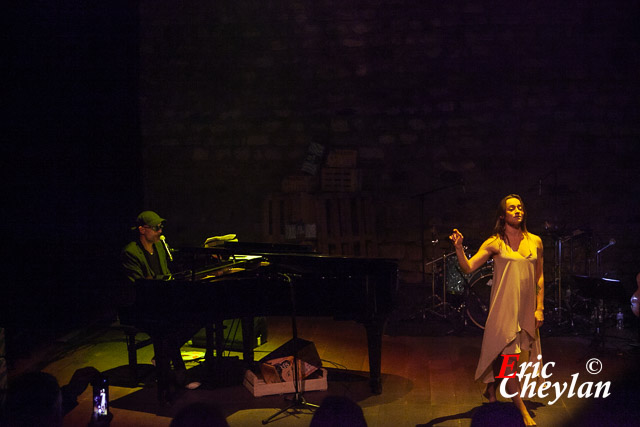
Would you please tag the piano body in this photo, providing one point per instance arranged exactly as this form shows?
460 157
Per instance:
260 283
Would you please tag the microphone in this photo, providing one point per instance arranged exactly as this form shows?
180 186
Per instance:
612 242
166 247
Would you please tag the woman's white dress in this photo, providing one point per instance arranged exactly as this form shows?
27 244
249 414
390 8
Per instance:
511 323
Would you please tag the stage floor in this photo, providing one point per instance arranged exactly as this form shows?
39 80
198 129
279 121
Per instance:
427 376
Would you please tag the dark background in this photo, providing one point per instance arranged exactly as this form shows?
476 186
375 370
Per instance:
200 110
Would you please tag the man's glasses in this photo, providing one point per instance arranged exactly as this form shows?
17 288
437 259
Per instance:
155 227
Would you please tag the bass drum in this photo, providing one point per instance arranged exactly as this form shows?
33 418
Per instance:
480 296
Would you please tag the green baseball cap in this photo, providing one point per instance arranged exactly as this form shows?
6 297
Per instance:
149 218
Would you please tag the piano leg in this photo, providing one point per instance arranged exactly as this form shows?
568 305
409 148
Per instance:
374 344
214 334
219 333
209 331
248 332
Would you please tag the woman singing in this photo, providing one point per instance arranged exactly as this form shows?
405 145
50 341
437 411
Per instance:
517 296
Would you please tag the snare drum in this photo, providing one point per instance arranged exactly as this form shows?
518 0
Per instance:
479 298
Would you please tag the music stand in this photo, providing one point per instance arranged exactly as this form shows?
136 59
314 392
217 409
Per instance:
298 400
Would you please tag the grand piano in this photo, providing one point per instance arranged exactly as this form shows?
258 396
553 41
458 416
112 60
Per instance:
249 280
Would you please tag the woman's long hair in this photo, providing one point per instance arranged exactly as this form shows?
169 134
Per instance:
498 230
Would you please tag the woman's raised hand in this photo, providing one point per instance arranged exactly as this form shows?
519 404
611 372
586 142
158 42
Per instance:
456 237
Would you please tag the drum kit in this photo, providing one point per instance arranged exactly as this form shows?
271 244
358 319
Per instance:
572 300
455 295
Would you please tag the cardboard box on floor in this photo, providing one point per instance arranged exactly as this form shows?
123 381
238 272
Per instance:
277 366
258 387
281 370
277 375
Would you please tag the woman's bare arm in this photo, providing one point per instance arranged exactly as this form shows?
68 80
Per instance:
486 251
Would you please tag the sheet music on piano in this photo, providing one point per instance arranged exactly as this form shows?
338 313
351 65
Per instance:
212 242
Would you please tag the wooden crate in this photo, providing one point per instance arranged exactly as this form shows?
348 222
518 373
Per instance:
299 183
342 158
340 180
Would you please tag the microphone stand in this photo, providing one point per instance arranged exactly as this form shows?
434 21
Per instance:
434 301
421 198
166 247
298 400
598 256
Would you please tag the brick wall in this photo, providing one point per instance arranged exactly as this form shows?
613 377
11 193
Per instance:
538 99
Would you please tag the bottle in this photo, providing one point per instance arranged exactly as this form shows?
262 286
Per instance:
620 319
601 314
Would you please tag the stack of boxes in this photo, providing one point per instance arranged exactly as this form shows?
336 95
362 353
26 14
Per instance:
340 173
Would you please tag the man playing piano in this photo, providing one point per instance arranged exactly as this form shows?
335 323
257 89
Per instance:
146 258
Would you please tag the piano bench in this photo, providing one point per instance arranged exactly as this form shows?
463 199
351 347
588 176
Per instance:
133 346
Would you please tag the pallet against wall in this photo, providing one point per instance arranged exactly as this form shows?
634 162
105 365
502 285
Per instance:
290 218
346 225
340 224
